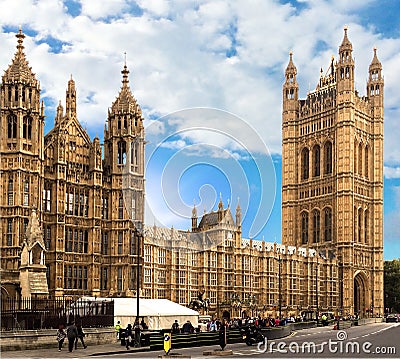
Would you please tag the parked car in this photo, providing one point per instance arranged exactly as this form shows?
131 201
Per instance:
392 318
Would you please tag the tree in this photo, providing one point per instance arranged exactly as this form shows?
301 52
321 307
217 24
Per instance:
391 281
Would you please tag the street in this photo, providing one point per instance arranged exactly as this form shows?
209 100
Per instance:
378 340
373 340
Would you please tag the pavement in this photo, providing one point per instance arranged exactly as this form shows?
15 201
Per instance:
91 351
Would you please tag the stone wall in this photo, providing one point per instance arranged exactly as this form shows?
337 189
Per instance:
36 339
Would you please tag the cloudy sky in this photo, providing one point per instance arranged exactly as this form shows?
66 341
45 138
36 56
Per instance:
187 57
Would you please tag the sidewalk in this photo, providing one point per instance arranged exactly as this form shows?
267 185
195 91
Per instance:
92 351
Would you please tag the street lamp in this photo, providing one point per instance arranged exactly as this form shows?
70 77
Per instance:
316 288
279 259
138 235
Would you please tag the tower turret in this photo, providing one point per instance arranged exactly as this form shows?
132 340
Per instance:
345 66
194 218
375 82
70 100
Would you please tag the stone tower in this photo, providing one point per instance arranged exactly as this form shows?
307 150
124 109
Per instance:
124 186
332 175
21 160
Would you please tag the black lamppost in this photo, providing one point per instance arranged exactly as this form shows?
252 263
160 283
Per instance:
316 288
279 259
138 235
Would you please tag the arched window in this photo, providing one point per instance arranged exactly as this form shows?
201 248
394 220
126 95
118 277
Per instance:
366 219
119 123
359 225
360 159
305 163
328 224
304 228
328 157
29 128
12 126
26 192
316 160
121 208
366 163
10 192
16 93
316 226
121 152
355 157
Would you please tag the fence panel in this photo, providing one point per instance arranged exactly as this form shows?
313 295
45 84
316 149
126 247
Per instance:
38 313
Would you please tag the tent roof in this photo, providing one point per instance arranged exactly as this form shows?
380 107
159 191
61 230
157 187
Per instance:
148 307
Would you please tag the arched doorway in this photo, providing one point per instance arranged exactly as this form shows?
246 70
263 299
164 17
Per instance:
360 294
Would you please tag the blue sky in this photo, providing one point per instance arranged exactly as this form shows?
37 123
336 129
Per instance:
222 55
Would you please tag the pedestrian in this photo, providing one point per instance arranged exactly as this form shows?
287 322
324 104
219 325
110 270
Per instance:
128 336
188 327
80 336
175 327
72 333
144 325
61 335
118 329
137 329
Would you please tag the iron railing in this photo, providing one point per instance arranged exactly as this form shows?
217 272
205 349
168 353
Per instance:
38 313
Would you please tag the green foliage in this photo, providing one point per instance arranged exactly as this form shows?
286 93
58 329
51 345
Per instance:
392 285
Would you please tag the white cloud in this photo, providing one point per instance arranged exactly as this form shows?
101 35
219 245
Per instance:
392 172
176 52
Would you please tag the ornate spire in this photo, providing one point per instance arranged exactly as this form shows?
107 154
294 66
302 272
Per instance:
19 68
71 99
194 210
346 44
220 204
125 102
238 214
375 63
291 68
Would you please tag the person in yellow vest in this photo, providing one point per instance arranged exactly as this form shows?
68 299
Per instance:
324 319
118 329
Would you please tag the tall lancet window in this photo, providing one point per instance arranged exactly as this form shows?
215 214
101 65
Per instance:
316 226
316 157
10 191
304 228
26 192
121 153
12 126
304 163
328 157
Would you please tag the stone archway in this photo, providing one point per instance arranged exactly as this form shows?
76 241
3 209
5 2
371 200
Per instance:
360 294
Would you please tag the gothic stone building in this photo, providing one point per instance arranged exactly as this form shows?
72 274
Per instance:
332 178
90 237
88 234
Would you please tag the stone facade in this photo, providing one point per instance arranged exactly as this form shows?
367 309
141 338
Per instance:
77 190
332 177
89 198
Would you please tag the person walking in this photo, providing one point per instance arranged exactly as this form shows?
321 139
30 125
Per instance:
137 331
61 335
80 336
72 333
118 329
128 336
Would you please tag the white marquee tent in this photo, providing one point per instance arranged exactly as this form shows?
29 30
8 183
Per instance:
157 313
